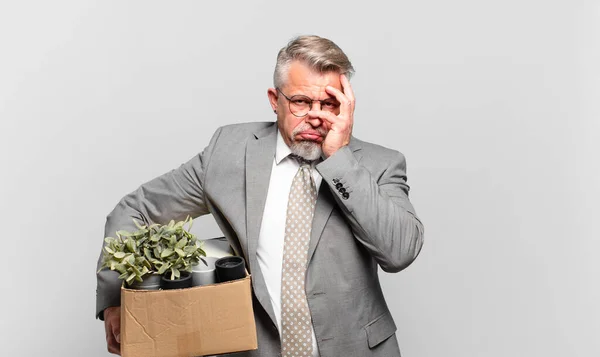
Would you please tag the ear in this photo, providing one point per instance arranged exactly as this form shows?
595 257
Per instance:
272 94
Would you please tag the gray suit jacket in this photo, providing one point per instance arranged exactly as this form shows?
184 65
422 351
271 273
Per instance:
375 225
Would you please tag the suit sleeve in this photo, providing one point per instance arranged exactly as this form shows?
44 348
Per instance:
172 196
377 208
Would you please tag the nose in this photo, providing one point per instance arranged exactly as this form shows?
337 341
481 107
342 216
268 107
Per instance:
317 104
314 121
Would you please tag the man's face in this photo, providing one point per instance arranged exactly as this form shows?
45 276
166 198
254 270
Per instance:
304 135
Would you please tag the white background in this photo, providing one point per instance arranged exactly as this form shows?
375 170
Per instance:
494 104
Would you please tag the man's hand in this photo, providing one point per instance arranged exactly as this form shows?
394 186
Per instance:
340 126
112 326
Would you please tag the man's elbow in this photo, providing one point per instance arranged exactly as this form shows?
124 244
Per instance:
396 260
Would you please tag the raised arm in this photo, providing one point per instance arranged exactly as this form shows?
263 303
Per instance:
378 209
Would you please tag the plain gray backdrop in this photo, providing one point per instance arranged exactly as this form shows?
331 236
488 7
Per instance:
494 104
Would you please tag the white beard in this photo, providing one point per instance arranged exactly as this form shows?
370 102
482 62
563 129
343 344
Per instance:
308 150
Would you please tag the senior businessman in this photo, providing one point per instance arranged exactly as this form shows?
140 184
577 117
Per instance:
312 209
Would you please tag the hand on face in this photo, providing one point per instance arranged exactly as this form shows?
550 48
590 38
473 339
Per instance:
339 126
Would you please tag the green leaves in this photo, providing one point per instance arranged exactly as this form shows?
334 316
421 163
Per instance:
122 234
182 243
130 278
164 268
190 249
129 260
166 253
130 243
152 249
175 273
120 268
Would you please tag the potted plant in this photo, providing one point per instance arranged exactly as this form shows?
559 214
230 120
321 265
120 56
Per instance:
142 257
125 254
176 251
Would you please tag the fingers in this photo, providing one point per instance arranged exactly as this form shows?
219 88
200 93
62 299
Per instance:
116 331
347 88
112 316
112 344
112 327
346 98
346 93
345 102
328 117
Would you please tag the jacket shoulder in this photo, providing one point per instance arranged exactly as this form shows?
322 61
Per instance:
375 151
245 129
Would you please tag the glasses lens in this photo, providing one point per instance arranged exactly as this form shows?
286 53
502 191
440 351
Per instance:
330 105
300 105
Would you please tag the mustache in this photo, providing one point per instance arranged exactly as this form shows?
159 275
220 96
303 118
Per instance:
305 126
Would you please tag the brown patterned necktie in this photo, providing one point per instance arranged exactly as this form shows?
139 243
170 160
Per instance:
295 315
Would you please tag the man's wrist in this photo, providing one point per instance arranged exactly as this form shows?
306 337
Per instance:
101 314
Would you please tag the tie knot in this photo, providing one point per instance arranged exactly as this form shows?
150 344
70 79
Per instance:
302 161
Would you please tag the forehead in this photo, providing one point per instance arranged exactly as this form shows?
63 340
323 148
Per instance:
302 77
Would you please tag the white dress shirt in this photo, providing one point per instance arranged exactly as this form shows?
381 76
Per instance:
272 230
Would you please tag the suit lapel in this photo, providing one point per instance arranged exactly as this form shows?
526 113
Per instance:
324 206
260 152
323 210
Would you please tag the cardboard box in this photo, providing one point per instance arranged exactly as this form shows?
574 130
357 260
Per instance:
198 321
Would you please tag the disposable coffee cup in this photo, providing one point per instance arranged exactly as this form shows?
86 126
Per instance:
185 281
230 268
205 272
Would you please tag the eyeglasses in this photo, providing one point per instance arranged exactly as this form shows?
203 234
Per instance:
300 105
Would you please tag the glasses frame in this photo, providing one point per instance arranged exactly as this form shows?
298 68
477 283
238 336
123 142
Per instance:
289 99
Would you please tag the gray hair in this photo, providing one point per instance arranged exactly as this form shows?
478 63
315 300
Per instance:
320 54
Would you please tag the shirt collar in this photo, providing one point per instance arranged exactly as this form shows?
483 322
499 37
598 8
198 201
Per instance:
282 150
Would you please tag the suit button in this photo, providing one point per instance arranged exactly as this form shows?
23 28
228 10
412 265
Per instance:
342 190
345 195
339 185
335 180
